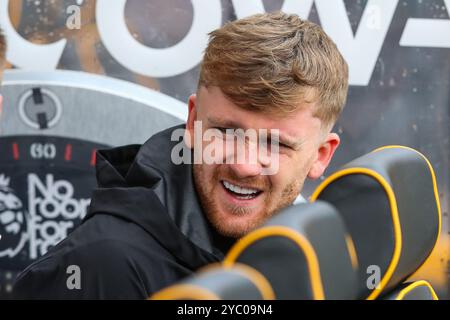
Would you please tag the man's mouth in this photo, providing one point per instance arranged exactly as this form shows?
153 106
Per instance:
240 192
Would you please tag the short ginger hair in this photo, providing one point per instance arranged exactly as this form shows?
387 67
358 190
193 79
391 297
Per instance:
273 62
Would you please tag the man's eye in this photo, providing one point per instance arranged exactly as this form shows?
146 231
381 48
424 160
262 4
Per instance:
282 148
280 145
223 130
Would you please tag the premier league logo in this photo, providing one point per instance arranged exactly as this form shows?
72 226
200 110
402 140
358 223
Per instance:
13 221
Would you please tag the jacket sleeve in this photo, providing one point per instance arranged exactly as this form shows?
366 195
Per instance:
100 270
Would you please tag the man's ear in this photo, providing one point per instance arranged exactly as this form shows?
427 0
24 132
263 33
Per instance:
324 155
192 116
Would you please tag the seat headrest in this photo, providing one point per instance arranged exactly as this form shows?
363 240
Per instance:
390 204
417 290
219 282
304 252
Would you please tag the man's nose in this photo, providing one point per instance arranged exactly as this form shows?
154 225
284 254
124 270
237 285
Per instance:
249 162
246 170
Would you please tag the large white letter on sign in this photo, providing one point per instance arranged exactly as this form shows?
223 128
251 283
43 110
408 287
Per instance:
360 51
434 33
44 56
155 62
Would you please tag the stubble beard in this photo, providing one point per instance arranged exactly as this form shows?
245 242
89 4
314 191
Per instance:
205 189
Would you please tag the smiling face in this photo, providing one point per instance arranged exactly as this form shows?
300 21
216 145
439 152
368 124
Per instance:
235 196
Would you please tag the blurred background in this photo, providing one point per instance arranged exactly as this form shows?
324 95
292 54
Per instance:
398 53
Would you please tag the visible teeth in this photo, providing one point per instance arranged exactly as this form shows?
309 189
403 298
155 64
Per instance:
240 190
247 197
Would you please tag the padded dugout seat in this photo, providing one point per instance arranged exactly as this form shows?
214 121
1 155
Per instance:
304 252
417 290
390 204
217 282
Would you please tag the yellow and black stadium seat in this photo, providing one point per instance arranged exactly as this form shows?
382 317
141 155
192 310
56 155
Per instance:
218 282
390 204
304 252
417 290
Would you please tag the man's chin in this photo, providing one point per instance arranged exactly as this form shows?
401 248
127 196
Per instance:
231 231
236 225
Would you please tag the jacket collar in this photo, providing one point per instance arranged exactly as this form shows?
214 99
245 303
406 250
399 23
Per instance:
141 184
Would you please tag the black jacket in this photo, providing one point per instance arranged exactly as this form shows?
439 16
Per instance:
145 229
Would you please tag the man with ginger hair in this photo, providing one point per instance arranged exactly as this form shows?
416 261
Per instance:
154 220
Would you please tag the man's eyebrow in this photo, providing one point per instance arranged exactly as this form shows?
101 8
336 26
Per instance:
216 122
